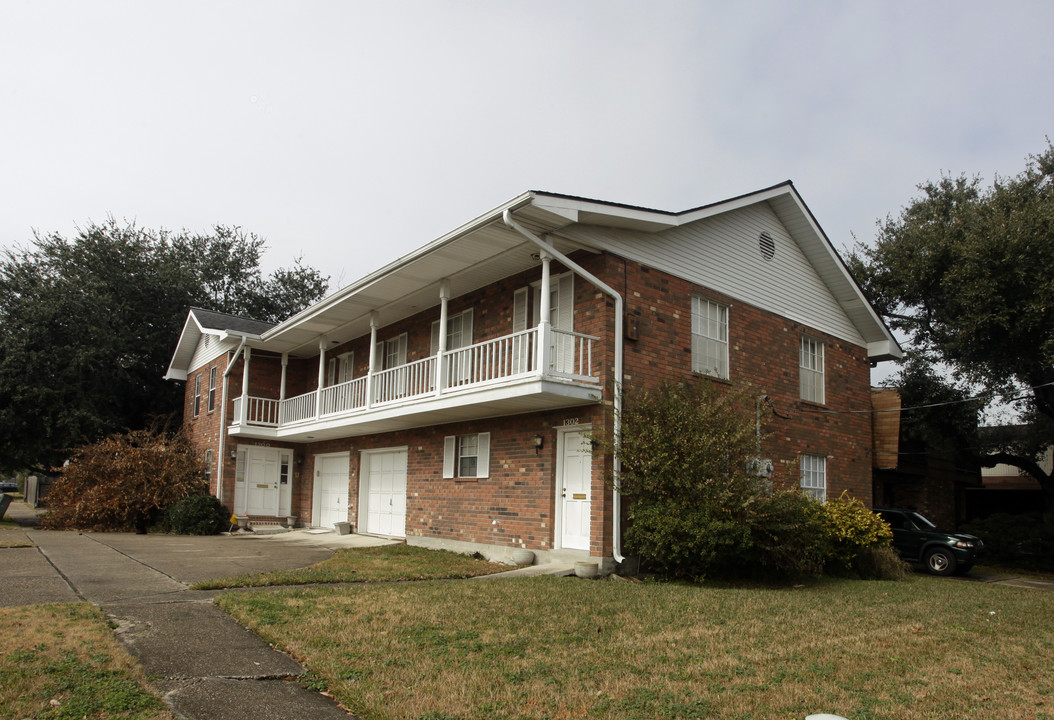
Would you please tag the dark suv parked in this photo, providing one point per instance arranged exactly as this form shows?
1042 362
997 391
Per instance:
918 540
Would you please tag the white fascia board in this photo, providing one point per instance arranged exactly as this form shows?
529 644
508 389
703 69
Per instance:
889 347
358 286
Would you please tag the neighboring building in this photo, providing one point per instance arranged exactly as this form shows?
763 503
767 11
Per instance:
461 384
909 473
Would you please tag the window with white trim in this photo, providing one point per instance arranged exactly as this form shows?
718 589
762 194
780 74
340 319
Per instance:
814 476
466 456
346 370
208 468
393 352
458 331
197 395
810 362
212 388
709 337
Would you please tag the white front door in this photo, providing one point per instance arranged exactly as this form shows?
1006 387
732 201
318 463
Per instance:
574 476
331 474
382 499
262 481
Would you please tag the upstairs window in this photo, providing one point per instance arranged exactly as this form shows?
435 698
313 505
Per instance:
811 370
709 338
458 332
212 389
197 395
814 476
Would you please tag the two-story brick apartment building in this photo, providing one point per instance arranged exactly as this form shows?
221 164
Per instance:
449 397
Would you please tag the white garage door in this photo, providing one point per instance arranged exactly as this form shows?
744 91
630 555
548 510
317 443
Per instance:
382 504
331 474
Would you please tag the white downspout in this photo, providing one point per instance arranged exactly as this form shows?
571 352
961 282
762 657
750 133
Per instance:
616 519
223 419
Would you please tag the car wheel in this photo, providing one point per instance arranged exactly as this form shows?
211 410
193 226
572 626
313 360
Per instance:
939 561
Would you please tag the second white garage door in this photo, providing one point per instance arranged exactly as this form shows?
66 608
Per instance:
382 495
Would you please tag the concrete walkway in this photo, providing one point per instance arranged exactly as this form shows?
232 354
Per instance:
203 663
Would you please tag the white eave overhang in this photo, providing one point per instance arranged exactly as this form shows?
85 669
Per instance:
484 250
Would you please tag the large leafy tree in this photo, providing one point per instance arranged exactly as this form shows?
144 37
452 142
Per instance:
964 272
88 325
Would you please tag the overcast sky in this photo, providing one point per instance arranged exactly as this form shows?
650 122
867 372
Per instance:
350 133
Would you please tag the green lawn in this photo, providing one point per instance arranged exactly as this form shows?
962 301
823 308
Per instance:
568 648
372 564
63 661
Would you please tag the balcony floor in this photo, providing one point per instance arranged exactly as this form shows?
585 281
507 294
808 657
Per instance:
531 395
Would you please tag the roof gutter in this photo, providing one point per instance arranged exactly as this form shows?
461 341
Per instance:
616 510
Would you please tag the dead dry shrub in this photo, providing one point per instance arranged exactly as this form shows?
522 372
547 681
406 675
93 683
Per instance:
124 481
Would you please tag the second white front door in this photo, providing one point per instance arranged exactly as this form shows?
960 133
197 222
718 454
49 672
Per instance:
331 474
574 481
382 495
262 481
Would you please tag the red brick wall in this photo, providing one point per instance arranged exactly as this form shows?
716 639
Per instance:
204 430
519 494
763 352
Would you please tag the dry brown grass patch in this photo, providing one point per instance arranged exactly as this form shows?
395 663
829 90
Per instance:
554 648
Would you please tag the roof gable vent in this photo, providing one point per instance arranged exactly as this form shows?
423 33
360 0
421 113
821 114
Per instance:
767 245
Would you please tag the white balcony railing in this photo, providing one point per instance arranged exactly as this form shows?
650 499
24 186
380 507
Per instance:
300 408
569 355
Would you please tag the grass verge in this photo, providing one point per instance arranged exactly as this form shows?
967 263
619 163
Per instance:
371 564
62 661
567 648
11 536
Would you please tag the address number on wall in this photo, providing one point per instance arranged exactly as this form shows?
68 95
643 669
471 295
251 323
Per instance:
571 421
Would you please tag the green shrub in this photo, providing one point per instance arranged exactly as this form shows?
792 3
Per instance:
852 531
1020 541
197 515
693 509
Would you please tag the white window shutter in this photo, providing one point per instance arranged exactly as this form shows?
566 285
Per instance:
449 453
566 319
378 357
466 328
519 310
435 338
483 460
402 349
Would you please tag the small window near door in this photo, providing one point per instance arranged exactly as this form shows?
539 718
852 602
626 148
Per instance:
208 467
239 467
466 456
283 469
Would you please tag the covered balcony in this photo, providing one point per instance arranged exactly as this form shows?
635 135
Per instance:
536 369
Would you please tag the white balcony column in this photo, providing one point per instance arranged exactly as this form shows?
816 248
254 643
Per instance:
245 386
544 309
285 365
373 360
322 342
444 297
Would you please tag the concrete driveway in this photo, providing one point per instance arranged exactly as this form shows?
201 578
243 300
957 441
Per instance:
204 664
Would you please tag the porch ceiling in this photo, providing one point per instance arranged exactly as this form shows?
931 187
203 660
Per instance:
470 258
